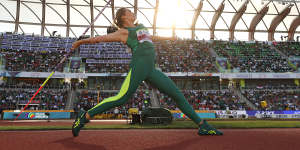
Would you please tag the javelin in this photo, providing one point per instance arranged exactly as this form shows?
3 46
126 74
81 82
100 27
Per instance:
62 61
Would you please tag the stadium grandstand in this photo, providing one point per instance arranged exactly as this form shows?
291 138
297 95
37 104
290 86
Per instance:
231 55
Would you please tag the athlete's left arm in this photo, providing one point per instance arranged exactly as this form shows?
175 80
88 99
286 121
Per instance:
161 38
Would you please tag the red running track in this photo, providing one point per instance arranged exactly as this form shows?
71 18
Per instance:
152 139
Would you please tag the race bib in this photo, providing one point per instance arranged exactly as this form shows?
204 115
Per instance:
143 35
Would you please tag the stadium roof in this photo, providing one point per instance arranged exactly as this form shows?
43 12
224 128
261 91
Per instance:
207 19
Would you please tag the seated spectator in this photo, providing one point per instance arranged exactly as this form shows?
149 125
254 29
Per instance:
46 100
252 57
276 99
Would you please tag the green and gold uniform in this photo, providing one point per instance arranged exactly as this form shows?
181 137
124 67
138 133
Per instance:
142 68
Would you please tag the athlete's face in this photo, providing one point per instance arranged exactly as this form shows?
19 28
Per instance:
129 15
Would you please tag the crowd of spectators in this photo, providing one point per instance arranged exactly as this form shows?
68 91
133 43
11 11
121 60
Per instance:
280 94
86 99
15 93
186 83
290 49
32 61
206 100
199 100
276 99
172 56
252 57
33 83
42 54
45 100
33 53
107 68
110 57
184 56
271 84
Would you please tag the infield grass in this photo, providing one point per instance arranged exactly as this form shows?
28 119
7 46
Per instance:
241 124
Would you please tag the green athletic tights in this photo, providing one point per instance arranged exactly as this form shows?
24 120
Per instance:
142 68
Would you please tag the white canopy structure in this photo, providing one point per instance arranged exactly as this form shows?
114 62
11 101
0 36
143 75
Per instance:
262 20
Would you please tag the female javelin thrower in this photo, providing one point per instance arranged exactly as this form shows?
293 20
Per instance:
142 67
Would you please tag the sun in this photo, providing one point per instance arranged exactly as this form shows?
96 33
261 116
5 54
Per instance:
170 13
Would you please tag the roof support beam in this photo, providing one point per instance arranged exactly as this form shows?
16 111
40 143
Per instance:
138 10
113 10
235 19
257 18
195 18
293 27
17 21
68 18
43 17
215 19
155 17
35 14
92 17
275 22
135 7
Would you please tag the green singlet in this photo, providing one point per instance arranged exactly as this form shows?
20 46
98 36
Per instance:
142 68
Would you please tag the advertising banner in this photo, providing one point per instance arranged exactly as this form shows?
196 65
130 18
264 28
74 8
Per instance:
254 113
201 115
231 114
260 75
37 115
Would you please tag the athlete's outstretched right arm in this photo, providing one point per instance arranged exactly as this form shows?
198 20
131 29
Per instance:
118 36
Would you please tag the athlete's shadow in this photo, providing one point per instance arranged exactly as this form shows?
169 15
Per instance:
71 143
